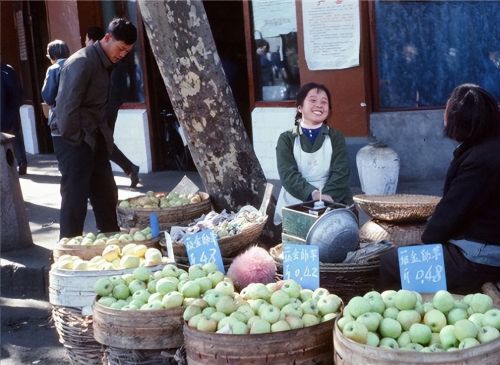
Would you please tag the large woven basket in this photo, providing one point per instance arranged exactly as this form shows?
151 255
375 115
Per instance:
118 356
398 207
167 217
231 246
396 233
77 336
345 280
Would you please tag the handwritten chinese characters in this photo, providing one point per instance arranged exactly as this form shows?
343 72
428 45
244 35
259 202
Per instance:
202 248
301 263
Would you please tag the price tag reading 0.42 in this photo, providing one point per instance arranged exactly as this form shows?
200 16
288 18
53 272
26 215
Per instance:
301 263
421 268
202 248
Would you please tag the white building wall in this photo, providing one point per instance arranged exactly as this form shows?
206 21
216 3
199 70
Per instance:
267 125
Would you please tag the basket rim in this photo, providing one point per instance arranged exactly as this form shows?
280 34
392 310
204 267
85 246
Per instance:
402 200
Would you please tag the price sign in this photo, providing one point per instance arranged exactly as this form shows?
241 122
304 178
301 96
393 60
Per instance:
155 226
422 268
301 263
202 248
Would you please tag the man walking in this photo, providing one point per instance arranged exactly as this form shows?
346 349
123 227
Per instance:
87 139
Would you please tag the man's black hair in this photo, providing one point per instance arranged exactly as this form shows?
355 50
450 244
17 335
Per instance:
123 30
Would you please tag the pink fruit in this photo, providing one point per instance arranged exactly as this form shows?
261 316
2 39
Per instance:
255 265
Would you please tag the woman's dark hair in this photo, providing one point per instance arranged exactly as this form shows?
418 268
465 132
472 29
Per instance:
472 114
57 49
95 33
123 30
304 90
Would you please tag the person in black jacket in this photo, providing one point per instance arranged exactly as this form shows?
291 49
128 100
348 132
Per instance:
467 219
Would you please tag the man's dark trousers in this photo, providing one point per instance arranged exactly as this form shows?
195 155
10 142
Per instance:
86 174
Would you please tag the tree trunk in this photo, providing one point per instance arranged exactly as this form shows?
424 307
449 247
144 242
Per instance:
184 48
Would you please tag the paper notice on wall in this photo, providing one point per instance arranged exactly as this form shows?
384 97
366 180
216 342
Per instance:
331 34
273 17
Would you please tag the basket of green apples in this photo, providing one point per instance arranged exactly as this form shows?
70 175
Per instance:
404 327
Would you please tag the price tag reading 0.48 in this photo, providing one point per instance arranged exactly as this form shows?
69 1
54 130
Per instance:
301 263
202 248
422 268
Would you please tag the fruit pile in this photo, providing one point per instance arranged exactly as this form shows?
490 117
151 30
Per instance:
160 200
261 308
401 320
114 257
91 239
168 288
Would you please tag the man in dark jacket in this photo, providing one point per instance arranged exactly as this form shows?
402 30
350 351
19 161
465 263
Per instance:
87 139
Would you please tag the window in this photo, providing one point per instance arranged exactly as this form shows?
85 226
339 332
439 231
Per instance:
426 48
276 55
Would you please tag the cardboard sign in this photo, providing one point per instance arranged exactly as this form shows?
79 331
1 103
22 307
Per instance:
301 263
202 247
421 268
155 226
186 187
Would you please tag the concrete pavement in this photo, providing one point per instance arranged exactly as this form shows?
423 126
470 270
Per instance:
28 335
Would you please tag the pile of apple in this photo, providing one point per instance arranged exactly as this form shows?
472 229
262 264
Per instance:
91 239
168 288
400 320
160 200
260 308
114 257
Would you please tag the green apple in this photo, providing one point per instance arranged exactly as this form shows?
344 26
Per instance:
487 334
329 304
173 299
280 298
468 299
407 317
215 277
355 331
239 328
443 301
115 280
129 262
119 304
136 285
388 297
152 285
128 278
491 318
210 267
294 322
106 301
404 339
435 339
359 305
310 320
292 309
465 328
136 303
190 312
224 288
456 314
405 299
170 270
447 337
260 325
206 324
420 333
121 291
193 321
142 295
190 289
292 288
391 312
269 313
217 316
154 297
255 304
279 326
208 311
370 320
310 306
196 271
390 328
305 294
223 322
225 304
481 303
388 343
372 339
205 284
199 302
142 273
376 302
435 320
477 318
343 321
246 309
240 316
211 297
318 293
413 347
329 317
467 343
103 287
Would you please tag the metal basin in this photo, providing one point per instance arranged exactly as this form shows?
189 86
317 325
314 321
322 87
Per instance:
335 233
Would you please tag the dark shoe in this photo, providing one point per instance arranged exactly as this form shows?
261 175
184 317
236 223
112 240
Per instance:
22 169
134 176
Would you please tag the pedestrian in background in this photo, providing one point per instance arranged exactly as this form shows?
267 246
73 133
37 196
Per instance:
87 139
116 98
12 99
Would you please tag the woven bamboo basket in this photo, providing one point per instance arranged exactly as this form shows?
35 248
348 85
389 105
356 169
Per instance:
77 336
398 207
231 246
344 280
119 356
396 233
167 217
87 252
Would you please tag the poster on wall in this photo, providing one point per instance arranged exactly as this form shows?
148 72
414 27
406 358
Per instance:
273 17
331 34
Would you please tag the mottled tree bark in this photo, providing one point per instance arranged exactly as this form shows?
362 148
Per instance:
185 51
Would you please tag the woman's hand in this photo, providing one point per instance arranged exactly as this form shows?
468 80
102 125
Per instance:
325 197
